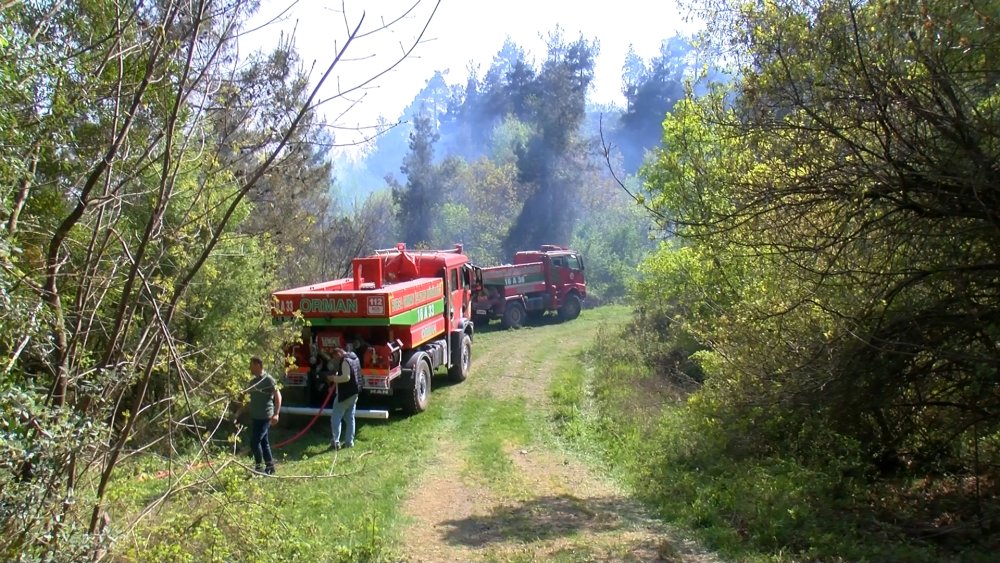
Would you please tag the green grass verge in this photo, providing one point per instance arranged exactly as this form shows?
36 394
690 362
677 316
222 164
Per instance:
330 506
490 426
346 506
674 455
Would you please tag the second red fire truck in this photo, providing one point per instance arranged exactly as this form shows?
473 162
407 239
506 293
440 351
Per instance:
550 279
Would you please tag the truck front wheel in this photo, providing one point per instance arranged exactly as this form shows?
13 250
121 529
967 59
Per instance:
416 399
571 308
461 359
513 315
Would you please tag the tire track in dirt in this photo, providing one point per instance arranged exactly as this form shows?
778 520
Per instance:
564 509
443 494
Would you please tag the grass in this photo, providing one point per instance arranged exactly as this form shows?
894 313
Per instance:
331 506
488 426
346 505
491 425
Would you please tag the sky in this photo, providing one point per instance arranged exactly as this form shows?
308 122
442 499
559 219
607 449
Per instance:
373 77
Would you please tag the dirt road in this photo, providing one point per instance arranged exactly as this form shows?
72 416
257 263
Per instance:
499 487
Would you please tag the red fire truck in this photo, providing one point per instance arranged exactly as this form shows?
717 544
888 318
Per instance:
548 279
405 313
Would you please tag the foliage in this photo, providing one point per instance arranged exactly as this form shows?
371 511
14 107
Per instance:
153 179
31 460
549 164
417 203
651 90
836 264
483 211
614 238
293 207
691 466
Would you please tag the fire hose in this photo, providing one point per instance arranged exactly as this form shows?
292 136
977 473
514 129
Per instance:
319 412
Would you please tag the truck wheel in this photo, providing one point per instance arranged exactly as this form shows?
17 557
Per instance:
513 315
571 308
416 399
461 359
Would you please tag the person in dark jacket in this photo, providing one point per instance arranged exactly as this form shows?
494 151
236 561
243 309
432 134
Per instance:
347 379
321 367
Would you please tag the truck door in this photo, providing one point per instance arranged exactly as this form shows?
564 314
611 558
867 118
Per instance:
468 275
457 297
567 272
576 275
560 274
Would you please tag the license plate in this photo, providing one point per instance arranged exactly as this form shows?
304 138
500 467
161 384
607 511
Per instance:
480 311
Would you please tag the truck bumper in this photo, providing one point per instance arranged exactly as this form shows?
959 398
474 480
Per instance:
358 413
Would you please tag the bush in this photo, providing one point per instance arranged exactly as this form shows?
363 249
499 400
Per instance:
753 481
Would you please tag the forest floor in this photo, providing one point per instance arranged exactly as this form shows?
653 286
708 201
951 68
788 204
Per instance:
501 486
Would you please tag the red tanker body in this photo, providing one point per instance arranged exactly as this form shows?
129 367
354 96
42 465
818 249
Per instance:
549 279
404 313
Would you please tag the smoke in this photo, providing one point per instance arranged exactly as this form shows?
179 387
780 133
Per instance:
535 118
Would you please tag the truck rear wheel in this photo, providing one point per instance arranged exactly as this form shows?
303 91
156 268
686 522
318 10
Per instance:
461 359
416 399
513 315
571 308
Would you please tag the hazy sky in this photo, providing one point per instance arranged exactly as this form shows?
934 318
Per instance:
457 32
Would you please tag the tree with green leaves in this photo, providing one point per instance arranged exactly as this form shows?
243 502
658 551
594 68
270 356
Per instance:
838 207
650 93
417 202
140 154
551 164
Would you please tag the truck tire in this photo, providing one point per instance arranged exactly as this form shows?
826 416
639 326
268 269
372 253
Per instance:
461 359
513 315
415 400
571 308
